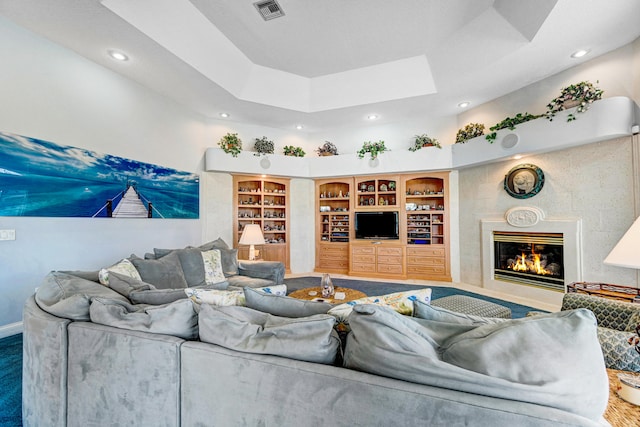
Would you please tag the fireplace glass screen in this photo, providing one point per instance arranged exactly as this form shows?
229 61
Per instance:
534 259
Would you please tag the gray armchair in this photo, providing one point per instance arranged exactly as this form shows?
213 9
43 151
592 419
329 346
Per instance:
617 321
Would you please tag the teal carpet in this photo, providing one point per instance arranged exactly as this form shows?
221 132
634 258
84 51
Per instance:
382 288
11 381
11 347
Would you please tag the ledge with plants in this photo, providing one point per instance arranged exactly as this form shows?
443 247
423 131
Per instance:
606 119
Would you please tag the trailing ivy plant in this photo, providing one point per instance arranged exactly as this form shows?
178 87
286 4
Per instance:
231 144
510 123
263 146
424 141
581 94
290 150
471 130
373 148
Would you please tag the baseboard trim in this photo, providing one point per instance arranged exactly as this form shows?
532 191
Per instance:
10 329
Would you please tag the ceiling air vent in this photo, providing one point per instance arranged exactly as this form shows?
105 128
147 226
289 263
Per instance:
269 9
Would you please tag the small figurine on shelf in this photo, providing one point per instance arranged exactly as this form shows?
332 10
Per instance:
327 286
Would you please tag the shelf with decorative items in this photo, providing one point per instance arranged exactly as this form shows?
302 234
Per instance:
377 192
263 201
427 227
333 224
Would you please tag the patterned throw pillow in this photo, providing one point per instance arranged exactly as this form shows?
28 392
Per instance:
402 302
226 298
124 267
213 267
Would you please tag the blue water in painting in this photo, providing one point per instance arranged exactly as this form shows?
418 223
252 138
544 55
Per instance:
35 195
41 178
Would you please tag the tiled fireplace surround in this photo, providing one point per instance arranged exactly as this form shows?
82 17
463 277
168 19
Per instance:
587 195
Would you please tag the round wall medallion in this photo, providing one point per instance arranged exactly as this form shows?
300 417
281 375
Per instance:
265 163
524 181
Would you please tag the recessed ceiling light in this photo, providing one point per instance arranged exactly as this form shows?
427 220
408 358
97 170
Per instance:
118 56
579 53
464 104
372 117
224 115
299 127
517 156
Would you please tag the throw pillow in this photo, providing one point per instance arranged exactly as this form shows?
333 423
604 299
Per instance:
123 267
311 339
282 305
228 297
177 318
163 273
191 262
551 360
439 314
212 267
215 244
402 302
68 296
229 259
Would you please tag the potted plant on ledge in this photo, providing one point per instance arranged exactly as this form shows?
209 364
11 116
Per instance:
580 95
471 130
327 149
423 141
263 146
290 150
373 148
231 144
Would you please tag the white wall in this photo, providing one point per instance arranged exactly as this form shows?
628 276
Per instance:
593 182
53 94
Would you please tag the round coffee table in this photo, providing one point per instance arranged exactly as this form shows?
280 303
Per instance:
315 293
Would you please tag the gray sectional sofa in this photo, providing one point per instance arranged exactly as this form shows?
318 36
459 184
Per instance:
244 367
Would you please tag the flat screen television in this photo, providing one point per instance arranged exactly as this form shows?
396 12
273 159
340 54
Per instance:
377 225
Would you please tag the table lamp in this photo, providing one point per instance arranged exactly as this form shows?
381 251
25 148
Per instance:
252 235
626 253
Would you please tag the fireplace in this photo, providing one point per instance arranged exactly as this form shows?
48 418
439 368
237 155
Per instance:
516 246
534 259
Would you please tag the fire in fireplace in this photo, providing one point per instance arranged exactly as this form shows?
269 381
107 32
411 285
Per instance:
534 259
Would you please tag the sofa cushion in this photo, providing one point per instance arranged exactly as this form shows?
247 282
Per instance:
284 306
124 266
229 259
214 244
439 314
212 266
239 282
191 262
229 296
310 338
69 297
402 302
163 273
177 318
551 359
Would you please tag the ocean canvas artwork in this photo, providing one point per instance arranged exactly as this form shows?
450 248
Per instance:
44 179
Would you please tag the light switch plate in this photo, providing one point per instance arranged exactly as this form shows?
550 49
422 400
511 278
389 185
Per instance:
7 234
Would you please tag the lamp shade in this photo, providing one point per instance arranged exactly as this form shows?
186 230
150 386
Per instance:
252 235
627 252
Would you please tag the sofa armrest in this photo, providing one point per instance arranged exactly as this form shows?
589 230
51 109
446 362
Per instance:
612 314
618 354
270 270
